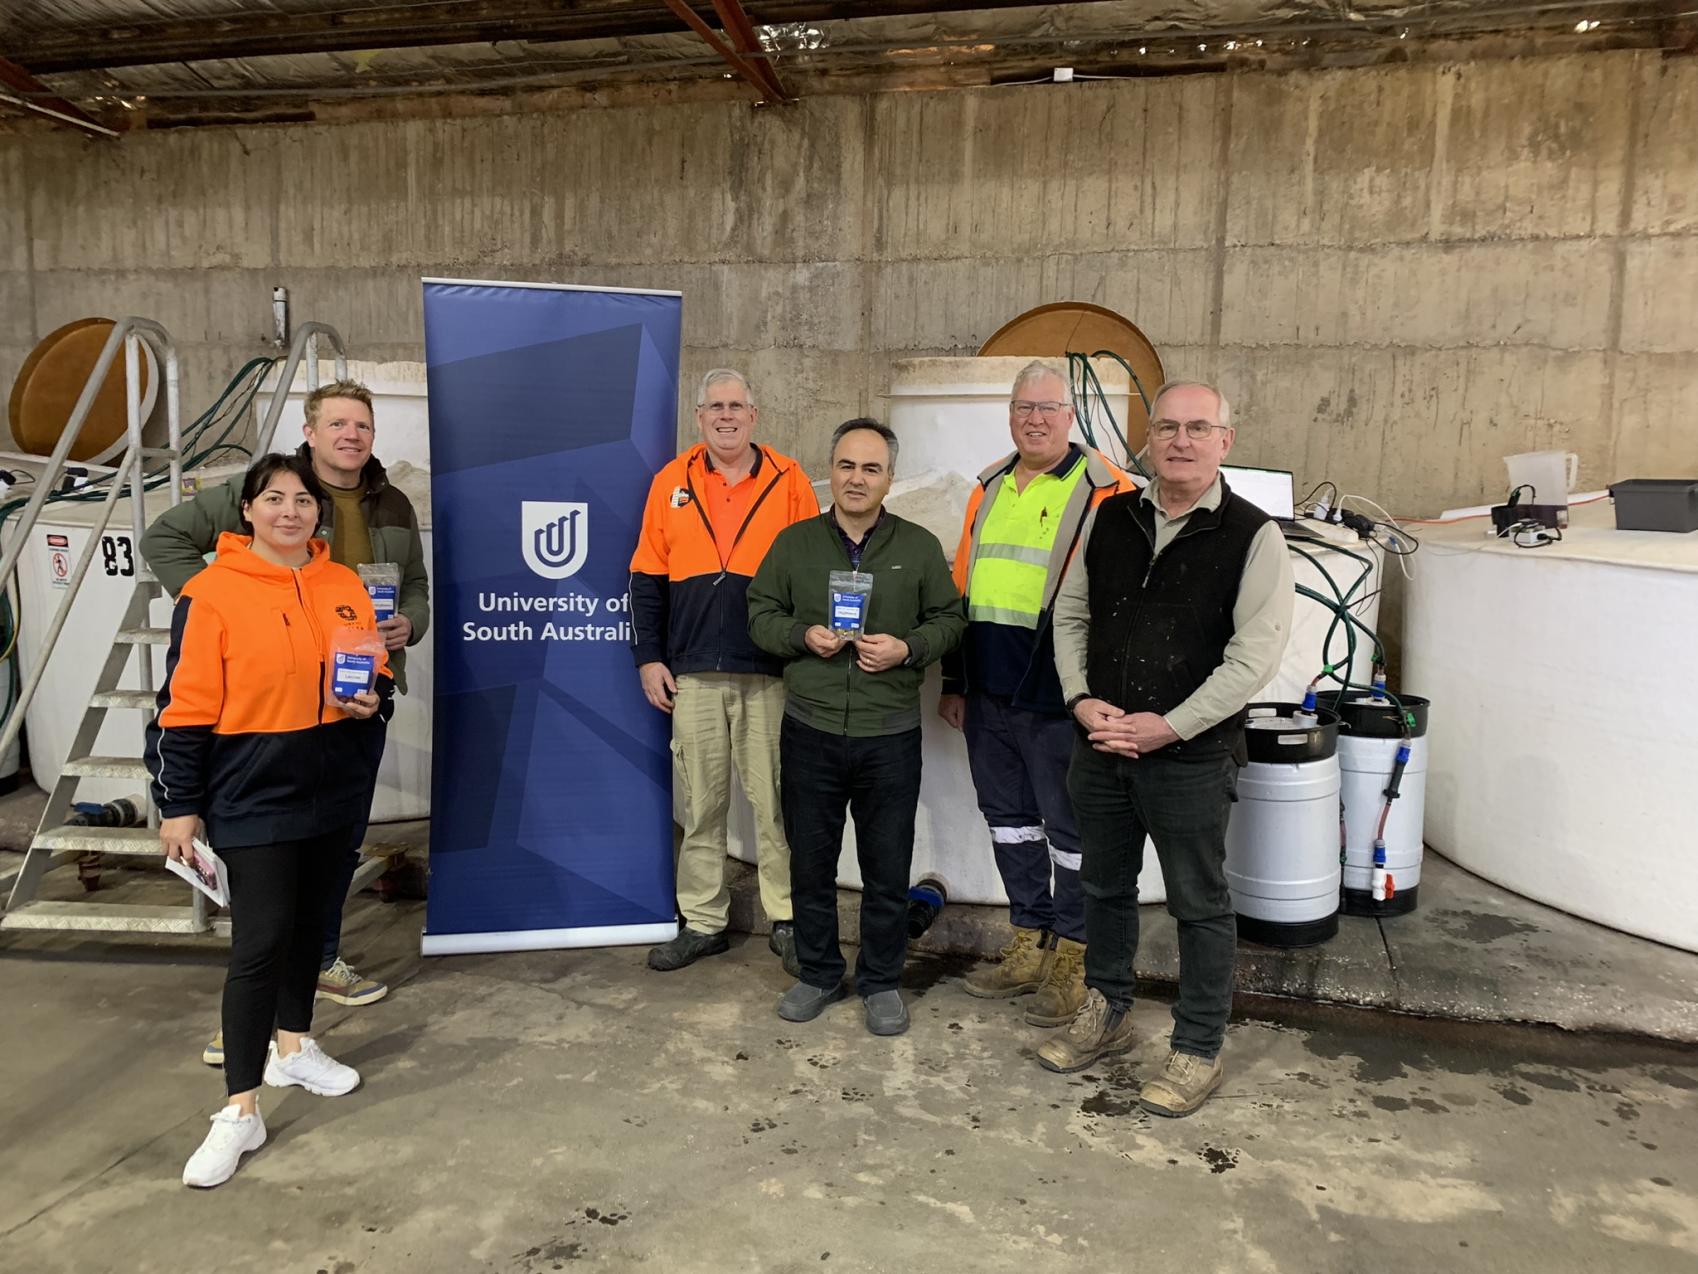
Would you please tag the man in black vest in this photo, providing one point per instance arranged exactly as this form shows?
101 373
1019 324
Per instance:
1179 615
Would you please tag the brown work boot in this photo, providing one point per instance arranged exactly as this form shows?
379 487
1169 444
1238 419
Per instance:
1058 999
1019 970
1097 1032
1183 1085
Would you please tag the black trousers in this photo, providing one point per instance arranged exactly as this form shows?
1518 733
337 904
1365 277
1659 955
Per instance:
279 898
878 780
1183 806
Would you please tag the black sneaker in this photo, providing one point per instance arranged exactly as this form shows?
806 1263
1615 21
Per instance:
803 1003
688 947
782 944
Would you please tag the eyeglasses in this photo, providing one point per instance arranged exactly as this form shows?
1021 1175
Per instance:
1022 410
1195 430
719 409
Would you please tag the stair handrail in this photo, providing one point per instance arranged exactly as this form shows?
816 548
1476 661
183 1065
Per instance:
128 332
305 343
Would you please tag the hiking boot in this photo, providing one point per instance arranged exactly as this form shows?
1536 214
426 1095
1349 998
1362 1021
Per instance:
1058 999
342 984
688 947
803 1003
1184 1084
782 943
1097 1032
1020 968
886 1014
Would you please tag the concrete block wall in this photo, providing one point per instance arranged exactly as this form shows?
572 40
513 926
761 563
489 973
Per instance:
1399 274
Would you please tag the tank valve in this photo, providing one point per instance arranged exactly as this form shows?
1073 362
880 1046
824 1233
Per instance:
1384 886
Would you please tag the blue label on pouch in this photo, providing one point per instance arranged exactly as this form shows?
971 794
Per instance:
847 610
383 600
352 674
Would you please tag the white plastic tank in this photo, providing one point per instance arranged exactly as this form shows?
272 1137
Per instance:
1282 842
1371 732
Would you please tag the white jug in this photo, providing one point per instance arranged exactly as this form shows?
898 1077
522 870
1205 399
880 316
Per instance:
1551 474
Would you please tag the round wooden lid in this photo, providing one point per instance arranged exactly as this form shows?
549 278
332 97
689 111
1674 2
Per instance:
52 379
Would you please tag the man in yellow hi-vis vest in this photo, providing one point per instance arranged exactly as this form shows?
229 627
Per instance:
1001 688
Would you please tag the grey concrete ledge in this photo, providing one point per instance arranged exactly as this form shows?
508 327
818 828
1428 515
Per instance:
1469 952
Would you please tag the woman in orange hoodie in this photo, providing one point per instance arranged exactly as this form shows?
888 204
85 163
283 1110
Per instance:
252 743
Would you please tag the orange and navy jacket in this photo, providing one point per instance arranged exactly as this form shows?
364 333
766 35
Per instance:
1026 657
246 734
690 608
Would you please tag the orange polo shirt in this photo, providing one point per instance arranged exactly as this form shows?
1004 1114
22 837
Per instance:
728 504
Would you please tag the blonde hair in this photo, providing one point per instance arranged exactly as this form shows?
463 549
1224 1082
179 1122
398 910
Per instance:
338 389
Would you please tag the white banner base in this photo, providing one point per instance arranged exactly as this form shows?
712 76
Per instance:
548 939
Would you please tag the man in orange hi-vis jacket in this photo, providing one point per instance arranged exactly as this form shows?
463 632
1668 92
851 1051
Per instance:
710 518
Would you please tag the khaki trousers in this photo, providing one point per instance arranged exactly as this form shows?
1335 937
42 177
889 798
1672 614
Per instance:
721 718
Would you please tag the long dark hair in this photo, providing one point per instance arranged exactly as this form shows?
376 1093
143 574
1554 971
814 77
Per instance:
268 467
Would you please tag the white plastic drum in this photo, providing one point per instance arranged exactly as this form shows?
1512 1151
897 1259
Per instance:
1282 860
1369 736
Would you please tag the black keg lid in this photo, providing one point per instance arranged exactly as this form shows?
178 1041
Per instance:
1361 717
1289 742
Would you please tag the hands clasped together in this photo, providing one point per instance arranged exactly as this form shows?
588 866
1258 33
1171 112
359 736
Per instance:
1112 730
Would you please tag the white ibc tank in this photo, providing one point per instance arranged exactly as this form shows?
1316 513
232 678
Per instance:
1282 860
1369 736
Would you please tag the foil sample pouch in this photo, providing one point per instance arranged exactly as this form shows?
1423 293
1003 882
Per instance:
383 582
851 593
354 657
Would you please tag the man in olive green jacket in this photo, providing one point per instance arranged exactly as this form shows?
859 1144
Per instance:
366 521
851 732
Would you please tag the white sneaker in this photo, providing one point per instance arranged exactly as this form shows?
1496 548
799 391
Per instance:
233 1135
312 1068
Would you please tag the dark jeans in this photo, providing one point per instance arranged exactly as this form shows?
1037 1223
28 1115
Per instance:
878 780
339 897
1183 806
278 898
1019 761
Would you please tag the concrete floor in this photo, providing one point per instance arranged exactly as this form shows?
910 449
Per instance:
527 1112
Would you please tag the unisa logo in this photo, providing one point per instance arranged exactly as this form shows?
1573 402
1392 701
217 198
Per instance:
554 536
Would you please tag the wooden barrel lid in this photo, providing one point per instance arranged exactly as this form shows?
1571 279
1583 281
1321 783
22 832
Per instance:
51 380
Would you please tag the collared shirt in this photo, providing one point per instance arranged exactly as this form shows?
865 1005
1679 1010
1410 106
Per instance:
728 503
1261 620
855 547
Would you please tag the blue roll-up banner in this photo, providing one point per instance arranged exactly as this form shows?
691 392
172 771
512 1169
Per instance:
551 409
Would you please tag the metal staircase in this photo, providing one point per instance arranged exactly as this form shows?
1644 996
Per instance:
56 843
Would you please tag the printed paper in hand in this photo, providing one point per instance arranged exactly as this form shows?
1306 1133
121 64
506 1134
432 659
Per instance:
206 872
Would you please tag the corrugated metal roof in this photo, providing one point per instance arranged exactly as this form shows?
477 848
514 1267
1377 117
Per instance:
80 45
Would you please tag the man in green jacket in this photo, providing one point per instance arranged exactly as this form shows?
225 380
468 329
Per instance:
859 602
366 521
